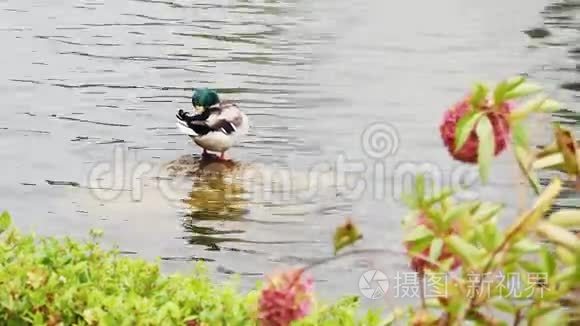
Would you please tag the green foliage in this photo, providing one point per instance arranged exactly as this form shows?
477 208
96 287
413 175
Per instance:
479 94
45 281
471 233
5 221
344 312
444 236
513 88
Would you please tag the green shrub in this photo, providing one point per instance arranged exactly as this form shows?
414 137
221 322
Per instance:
45 281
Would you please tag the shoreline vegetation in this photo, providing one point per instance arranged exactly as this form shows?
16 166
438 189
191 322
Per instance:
45 281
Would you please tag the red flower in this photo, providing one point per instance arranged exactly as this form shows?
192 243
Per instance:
468 153
287 297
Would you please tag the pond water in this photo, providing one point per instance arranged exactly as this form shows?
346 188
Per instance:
90 90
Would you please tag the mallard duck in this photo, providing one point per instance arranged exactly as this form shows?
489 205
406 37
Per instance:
216 125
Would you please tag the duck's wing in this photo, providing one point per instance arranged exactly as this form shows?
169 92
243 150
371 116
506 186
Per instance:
189 124
217 121
228 119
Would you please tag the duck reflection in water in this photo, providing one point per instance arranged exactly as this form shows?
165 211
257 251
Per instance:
216 196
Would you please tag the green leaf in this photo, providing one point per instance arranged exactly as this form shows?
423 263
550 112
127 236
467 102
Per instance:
566 218
564 275
486 149
456 212
535 105
550 105
548 317
536 311
526 245
558 235
499 92
525 89
417 233
514 82
577 265
465 126
529 219
531 106
442 195
503 304
416 199
565 256
420 188
520 134
548 261
531 267
555 160
464 249
489 236
5 221
479 94
487 211
435 249
418 246
436 216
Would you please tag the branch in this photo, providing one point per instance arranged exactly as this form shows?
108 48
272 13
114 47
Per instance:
518 317
351 253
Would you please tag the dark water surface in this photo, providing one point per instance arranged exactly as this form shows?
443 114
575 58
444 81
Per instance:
90 90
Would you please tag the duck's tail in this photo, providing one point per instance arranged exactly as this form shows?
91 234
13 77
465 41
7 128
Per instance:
182 124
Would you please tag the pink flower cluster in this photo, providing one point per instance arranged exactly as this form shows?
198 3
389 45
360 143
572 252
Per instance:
468 153
285 298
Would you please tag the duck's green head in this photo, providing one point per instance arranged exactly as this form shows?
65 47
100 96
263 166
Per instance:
204 98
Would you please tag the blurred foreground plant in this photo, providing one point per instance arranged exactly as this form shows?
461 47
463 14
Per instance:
460 245
562 155
539 252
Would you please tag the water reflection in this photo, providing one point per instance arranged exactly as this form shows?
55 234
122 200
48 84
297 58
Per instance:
218 195
215 195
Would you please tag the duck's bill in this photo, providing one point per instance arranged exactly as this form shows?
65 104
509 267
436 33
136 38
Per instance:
198 109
